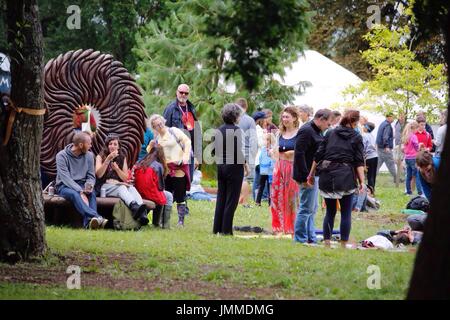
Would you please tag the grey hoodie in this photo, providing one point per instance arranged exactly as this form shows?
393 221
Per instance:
74 170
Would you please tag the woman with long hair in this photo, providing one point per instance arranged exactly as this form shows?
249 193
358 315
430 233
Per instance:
340 161
149 175
111 169
177 149
427 166
410 145
285 191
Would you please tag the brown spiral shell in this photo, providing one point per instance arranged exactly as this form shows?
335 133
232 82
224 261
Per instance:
89 77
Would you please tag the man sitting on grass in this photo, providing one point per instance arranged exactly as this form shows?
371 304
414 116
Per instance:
75 179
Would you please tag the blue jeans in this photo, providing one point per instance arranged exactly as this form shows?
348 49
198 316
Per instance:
201 196
87 212
411 171
359 201
304 230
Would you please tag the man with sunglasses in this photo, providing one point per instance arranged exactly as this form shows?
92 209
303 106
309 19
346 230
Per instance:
180 113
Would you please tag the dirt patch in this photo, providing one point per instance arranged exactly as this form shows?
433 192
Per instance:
380 218
112 272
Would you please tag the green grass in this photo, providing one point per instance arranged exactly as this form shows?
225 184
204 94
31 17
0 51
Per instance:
261 268
40 292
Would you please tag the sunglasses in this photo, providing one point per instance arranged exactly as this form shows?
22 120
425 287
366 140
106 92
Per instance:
184 93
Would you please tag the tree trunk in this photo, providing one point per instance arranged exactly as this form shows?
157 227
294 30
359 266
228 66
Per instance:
22 227
431 275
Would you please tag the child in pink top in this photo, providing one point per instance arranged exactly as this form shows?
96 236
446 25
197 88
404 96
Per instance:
410 148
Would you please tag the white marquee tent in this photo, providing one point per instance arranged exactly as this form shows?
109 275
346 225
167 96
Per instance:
327 78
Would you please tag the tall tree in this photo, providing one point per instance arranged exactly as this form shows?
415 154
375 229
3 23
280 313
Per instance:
22 229
431 275
400 82
339 27
107 26
264 35
190 46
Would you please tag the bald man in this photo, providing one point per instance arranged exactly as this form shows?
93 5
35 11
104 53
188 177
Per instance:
75 179
180 113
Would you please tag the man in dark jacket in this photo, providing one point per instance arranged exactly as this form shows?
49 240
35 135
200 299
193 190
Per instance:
385 145
307 142
180 113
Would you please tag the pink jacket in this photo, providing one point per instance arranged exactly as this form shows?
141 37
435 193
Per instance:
411 147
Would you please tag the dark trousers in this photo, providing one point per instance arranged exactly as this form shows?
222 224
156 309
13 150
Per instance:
263 182
372 165
176 186
346 217
229 181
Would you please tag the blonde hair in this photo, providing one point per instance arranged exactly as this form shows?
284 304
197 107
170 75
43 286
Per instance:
293 111
408 131
153 117
270 139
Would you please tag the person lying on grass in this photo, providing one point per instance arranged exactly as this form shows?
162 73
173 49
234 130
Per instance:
388 239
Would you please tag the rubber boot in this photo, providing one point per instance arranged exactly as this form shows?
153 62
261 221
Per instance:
139 212
135 210
167 211
143 215
186 212
181 208
157 215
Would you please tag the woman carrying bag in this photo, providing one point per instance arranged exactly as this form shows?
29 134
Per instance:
340 161
177 150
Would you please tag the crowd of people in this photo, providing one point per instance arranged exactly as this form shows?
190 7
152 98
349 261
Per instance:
308 154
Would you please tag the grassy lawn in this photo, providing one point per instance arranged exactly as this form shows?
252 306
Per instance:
191 263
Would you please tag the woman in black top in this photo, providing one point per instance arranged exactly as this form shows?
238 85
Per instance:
111 169
228 145
340 161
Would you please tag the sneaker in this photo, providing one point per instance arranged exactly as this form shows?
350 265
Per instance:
103 223
94 224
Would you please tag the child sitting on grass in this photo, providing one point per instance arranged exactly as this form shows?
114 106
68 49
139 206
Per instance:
365 201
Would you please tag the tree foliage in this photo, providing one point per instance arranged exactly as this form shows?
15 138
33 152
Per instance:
339 27
183 49
400 83
107 26
264 34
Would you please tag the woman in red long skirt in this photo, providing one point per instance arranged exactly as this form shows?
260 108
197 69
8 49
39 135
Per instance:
285 191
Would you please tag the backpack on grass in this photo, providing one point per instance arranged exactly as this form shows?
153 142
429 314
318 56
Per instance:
123 218
419 203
